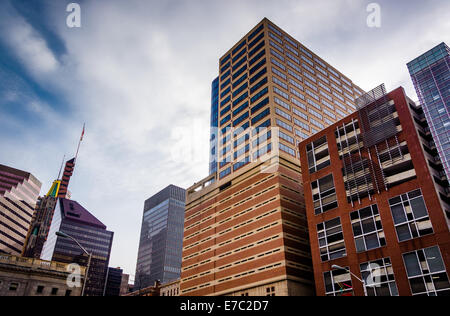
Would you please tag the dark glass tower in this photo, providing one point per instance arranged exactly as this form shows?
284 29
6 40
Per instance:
113 282
74 220
430 73
214 126
161 242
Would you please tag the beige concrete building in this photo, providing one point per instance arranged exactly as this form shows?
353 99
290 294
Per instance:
32 277
245 226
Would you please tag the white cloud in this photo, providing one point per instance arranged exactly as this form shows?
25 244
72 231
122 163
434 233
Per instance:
30 48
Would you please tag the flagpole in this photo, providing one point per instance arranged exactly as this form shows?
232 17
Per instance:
79 143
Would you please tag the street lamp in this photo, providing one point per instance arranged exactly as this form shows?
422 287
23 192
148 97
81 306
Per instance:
64 235
335 266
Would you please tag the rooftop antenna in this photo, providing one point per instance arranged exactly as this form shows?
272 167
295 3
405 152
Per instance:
60 169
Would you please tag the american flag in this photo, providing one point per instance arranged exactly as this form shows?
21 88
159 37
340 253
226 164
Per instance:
82 133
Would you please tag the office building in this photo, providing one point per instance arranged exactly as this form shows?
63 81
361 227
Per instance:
113 282
268 79
245 227
74 220
430 73
161 242
43 213
33 277
376 204
19 191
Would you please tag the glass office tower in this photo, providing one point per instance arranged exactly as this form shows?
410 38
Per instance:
214 125
71 218
430 73
161 242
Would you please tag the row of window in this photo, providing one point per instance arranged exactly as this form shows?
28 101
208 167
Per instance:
425 270
408 211
307 74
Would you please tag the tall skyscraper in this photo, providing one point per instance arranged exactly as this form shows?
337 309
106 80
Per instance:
19 191
214 151
73 219
376 206
270 79
161 241
430 73
245 227
43 214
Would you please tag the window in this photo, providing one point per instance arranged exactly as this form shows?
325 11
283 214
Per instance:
270 291
331 240
286 137
68 293
260 105
338 283
279 73
410 216
284 125
257 48
239 81
257 66
260 94
379 276
277 63
40 289
280 83
324 194
283 114
258 75
240 89
318 155
282 103
54 291
225 173
258 85
287 149
260 116
426 272
281 93
241 118
299 113
367 229
13 286
262 151
257 57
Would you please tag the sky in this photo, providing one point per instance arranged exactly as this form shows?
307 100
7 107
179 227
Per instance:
139 73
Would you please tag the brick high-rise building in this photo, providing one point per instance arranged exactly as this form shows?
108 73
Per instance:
19 191
245 227
376 201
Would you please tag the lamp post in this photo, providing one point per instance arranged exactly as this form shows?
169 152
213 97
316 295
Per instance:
335 266
64 235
